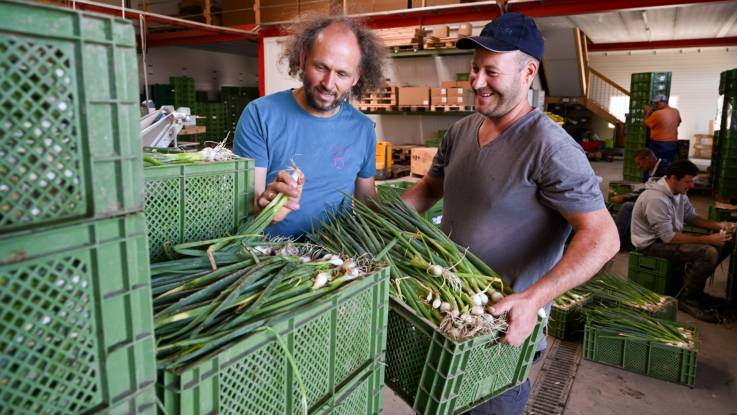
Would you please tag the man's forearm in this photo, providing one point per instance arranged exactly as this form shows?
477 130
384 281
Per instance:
684 238
424 194
705 223
588 251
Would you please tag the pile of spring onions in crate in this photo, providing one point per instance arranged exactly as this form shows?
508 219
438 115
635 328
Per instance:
610 288
570 299
633 325
439 280
225 289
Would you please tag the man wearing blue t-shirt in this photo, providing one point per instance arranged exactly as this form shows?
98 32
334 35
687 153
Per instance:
513 185
314 126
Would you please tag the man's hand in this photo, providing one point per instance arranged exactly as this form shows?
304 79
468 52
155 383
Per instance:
521 316
728 227
283 183
618 198
717 238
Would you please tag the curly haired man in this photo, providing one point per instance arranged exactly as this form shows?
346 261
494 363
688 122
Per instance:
314 125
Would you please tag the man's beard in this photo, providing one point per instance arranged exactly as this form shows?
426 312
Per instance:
316 105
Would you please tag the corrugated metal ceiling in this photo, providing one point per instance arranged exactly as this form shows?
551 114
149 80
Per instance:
700 21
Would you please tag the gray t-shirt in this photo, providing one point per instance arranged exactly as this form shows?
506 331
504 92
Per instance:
504 201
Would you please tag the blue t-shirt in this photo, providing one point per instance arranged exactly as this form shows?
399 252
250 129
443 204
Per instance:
332 152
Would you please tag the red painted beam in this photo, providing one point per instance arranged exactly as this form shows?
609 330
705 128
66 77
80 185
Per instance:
664 44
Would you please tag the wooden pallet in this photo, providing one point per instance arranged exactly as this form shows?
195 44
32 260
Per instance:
413 108
414 47
376 107
451 108
440 42
402 153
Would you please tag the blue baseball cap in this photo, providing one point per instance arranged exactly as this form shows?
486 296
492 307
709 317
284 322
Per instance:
507 33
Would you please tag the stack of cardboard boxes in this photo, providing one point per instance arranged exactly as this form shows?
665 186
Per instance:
452 95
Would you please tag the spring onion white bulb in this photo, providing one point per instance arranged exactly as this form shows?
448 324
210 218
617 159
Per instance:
435 270
321 279
496 296
477 310
445 307
436 303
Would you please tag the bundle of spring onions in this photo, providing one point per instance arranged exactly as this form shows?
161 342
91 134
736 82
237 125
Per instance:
570 299
612 288
224 289
444 283
159 157
199 311
633 325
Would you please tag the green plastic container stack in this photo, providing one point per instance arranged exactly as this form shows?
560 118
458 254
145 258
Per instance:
75 298
162 94
196 202
235 99
724 175
337 346
643 88
438 376
214 121
184 92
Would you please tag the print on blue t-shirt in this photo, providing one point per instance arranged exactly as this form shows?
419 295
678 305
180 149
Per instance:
332 152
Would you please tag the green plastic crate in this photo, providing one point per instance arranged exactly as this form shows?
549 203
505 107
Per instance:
330 341
438 376
651 359
363 394
69 96
76 318
185 94
194 202
567 323
656 274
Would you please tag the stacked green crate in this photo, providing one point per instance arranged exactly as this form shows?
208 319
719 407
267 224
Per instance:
162 94
75 300
725 172
214 120
643 88
184 92
235 99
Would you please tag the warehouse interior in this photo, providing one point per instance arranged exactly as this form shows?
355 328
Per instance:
140 273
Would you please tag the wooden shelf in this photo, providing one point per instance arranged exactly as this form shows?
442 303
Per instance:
422 53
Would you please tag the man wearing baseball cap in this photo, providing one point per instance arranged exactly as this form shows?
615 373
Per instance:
513 185
663 123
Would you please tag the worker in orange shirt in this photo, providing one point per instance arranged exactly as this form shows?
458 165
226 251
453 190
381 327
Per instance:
663 122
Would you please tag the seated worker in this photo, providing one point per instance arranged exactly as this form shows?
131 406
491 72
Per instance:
652 168
657 230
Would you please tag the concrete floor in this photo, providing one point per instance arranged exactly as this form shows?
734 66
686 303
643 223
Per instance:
599 389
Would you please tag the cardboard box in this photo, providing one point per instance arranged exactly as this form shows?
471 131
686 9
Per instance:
238 12
438 100
430 3
456 84
421 160
414 96
440 31
278 10
371 6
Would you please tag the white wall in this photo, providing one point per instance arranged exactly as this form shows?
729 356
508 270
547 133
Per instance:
694 82
209 70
